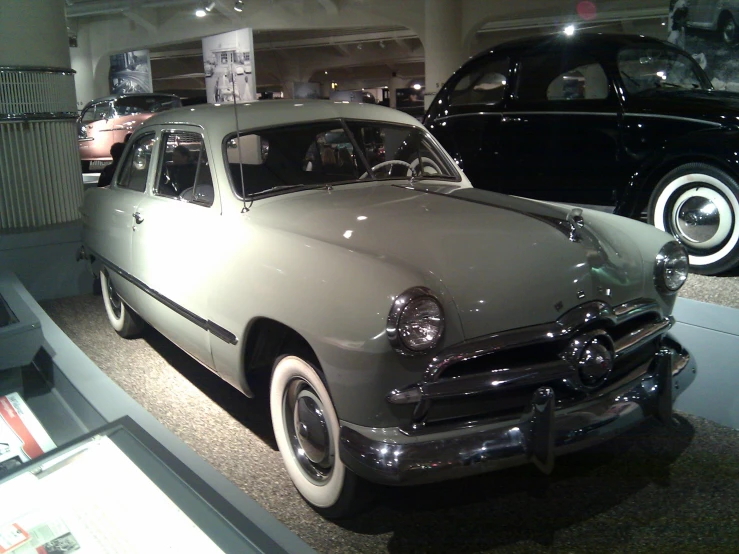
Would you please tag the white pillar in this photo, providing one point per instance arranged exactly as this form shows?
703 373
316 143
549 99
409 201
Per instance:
81 59
393 85
442 42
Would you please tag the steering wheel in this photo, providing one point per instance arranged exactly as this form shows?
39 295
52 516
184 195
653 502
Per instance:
386 163
423 165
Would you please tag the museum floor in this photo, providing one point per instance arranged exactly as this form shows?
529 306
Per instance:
655 489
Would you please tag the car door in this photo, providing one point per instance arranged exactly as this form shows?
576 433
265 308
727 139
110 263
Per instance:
702 13
113 222
172 244
560 133
467 119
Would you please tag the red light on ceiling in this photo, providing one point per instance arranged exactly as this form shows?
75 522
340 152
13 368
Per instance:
586 10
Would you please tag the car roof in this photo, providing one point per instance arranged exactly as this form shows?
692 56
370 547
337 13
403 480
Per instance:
610 41
221 118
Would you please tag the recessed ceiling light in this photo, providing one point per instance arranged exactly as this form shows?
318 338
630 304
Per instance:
239 6
200 12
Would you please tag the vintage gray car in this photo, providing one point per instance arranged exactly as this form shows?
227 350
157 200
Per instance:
412 328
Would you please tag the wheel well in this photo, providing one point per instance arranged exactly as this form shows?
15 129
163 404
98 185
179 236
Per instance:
656 175
724 17
267 340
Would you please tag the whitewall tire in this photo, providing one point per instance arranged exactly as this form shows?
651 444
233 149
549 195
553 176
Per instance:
125 322
699 205
307 433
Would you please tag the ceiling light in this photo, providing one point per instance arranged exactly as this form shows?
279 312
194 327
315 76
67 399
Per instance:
200 12
417 86
209 7
382 44
359 46
570 30
239 6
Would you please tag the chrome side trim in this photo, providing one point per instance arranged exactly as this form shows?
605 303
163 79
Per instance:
210 326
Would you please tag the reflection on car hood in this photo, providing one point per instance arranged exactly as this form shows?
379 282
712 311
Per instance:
506 262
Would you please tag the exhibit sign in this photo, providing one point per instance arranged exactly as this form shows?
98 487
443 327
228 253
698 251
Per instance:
130 72
229 67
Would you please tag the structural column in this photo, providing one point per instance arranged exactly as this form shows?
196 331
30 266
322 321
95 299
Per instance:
442 43
40 175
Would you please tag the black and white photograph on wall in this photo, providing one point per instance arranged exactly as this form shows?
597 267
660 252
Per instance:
130 72
229 67
707 29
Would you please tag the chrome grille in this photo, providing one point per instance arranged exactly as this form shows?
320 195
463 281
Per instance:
495 376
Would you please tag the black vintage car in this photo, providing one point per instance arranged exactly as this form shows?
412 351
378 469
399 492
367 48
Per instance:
624 122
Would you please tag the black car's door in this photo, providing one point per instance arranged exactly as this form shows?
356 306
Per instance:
560 132
466 119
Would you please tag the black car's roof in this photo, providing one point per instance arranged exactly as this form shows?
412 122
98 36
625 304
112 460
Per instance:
610 41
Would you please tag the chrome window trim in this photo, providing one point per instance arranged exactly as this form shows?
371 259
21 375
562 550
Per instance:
503 114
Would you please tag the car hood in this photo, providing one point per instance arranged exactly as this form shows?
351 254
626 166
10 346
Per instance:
130 121
506 262
714 105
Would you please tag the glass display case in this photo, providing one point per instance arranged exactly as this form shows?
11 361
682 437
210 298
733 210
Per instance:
85 468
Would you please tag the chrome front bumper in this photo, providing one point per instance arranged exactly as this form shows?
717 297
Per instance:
392 457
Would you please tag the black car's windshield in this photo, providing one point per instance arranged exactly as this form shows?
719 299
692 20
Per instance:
649 68
130 105
330 153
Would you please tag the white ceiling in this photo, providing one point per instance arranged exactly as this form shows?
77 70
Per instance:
354 57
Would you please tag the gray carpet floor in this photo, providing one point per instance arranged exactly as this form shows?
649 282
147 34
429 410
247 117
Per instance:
655 489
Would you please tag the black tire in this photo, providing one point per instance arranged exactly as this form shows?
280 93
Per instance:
312 459
699 205
124 321
727 28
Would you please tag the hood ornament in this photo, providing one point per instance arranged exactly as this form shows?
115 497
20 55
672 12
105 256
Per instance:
576 222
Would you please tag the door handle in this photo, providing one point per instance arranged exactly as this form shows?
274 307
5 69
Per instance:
138 217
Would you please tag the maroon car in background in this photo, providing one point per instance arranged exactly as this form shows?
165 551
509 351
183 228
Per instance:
105 121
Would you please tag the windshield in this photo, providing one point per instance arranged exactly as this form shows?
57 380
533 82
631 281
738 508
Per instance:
331 153
130 105
646 69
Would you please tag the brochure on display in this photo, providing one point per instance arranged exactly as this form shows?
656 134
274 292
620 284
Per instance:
22 437
93 498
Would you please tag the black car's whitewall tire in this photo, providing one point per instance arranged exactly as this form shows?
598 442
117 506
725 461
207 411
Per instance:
728 29
126 323
300 400
699 205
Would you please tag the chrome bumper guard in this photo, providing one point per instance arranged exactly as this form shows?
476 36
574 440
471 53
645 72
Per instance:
391 457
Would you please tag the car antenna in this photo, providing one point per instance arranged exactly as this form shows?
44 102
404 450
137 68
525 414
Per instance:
246 208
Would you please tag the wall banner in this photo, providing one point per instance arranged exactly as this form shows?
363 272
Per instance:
229 67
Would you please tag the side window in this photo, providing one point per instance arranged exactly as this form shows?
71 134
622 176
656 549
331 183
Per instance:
136 165
484 85
101 111
561 76
184 172
88 116
586 82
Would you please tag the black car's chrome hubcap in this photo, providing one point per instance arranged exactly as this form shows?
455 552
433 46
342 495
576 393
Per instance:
702 219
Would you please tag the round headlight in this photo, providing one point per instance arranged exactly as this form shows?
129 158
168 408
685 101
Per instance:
416 321
671 270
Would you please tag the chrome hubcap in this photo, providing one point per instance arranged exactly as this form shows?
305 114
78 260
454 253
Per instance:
115 301
309 431
702 218
698 219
